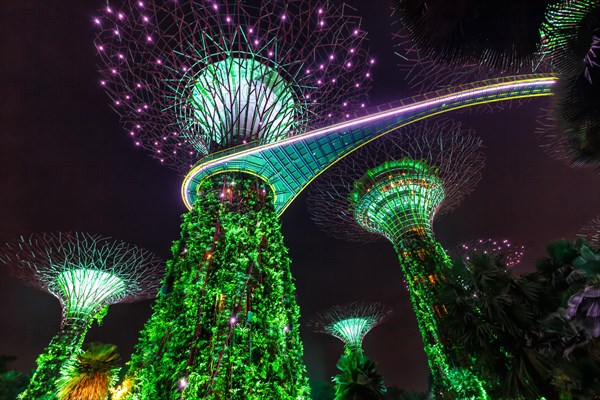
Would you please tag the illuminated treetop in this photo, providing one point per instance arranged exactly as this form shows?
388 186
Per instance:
436 165
512 253
351 322
85 272
193 77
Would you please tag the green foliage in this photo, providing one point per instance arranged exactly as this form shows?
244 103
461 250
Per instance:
425 265
91 374
358 378
59 352
516 329
493 317
225 325
11 382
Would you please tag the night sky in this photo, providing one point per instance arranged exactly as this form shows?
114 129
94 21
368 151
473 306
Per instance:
67 164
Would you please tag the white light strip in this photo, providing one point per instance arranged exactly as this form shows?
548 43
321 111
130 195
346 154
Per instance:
468 94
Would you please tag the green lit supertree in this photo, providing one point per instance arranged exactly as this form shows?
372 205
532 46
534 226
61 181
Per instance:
350 323
394 188
572 41
194 81
86 273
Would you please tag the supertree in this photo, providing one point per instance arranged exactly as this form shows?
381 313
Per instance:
194 81
350 323
394 188
572 41
510 253
86 273
498 34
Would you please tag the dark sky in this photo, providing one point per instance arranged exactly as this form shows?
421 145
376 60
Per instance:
67 164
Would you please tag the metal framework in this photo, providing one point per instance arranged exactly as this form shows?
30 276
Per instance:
289 165
192 77
440 155
511 253
351 322
85 272
496 34
423 73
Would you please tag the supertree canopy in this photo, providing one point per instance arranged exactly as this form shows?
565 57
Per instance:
358 378
511 254
189 78
426 73
86 273
572 40
500 34
394 188
351 322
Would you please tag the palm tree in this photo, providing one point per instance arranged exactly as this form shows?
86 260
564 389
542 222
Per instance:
358 378
91 375
493 318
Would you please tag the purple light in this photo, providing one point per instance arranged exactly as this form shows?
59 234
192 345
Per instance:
97 21
145 19
232 320
140 3
121 16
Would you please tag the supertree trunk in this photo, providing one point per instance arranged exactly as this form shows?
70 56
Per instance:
225 325
63 346
424 262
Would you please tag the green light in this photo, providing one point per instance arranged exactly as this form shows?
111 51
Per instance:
399 200
240 99
397 197
84 291
563 22
352 330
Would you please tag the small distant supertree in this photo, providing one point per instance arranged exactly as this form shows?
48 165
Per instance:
499 34
510 253
395 188
86 273
572 41
350 323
